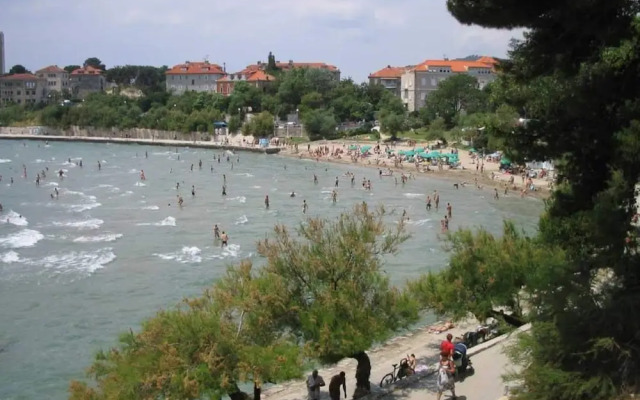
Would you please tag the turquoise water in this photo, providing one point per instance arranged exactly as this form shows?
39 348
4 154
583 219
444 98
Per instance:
111 250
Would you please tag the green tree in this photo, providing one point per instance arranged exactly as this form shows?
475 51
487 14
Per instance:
454 95
95 63
392 124
272 67
333 282
580 94
311 101
319 124
71 68
261 125
202 349
235 123
486 273
18 69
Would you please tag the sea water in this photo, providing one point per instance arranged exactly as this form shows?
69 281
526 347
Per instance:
112 250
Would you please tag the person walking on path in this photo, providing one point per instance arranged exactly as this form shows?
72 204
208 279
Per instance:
444 377
314 383
334 386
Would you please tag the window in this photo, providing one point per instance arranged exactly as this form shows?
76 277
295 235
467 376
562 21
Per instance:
423 96
433 82
193 81
423 81
19 92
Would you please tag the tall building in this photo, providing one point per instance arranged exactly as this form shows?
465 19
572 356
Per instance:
1 53
57 78
389 77
86 80
23 89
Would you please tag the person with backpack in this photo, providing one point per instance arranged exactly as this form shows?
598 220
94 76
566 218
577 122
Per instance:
445 375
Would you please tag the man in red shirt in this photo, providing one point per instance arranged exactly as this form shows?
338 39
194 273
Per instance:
447 345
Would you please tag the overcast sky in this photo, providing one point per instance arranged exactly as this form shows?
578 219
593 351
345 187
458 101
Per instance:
359 36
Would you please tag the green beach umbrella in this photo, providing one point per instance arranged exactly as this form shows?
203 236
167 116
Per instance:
505 161
419 149
353 147
364 149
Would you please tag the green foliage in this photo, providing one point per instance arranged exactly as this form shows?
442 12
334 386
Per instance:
235 123
454 95
95 63
143 77
272 68
580 95
319 124
332 278
260 125
18 69
392 123
486 273
71 68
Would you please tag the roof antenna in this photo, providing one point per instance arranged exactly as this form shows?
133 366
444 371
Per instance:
445 57
206 59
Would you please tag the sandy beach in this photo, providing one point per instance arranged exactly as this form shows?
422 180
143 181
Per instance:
473 173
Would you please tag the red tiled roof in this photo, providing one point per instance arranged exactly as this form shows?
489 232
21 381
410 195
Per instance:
88 70
260 76
388 72
21 77
487 60
455 65
51 68
199 68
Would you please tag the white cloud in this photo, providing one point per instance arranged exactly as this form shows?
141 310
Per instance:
360 36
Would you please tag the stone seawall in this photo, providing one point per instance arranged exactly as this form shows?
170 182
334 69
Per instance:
134 136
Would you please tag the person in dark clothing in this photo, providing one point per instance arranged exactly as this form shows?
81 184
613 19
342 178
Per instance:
334 386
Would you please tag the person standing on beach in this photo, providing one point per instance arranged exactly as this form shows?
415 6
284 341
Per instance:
496 195
445 376
334 386
314 383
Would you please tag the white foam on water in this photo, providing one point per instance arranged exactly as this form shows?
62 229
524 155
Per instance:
418 222
93 223
242 220
13 218
326 191
105 186
256 187
82 207
10 257
24 238
77 261
133 171
140 184
187 255
248 175
231 250
55 184
153 208
127 193
107 237
169 221
240 199
4 160
68 164
39 161
413 195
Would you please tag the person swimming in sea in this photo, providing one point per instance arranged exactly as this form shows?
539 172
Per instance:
225 239
293 194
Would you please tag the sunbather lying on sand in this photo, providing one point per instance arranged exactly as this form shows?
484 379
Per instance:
441 327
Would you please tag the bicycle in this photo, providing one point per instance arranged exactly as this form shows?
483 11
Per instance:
394 376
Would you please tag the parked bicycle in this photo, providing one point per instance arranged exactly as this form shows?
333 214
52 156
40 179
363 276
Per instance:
397 374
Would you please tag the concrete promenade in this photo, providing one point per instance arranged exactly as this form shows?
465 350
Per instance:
485 383
155 142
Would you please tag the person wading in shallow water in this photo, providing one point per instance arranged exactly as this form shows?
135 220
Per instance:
334 386
225 239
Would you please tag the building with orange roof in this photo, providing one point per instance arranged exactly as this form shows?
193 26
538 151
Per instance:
86 80
421 80
57 78
389 77
194 77
23 89
253 76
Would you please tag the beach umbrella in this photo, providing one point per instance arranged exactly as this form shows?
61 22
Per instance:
424 155
353 147
401 152
505 161
419 149
364 149
472 150
409 153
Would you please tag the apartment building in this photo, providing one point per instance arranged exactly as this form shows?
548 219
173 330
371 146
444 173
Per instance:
87 80
389 77
24 89
193 76
254 77
418 82
56 77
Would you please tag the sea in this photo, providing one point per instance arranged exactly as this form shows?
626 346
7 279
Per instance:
111 249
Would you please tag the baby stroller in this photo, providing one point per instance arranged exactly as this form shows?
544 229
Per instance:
460 359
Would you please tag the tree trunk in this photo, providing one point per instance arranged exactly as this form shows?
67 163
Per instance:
513 319
257 390
238 394
363 372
